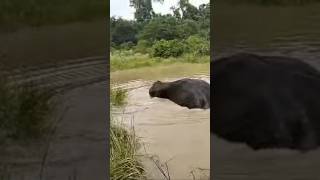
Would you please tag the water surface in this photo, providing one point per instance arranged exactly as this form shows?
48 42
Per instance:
269 30
174 134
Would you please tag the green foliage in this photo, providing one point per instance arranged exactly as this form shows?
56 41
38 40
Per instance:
128 60
188 28
119 61
162 27
127 45
144 11
170 48
122 31
24 112
124 162
188 10
146 34
198 45
118 97
143 47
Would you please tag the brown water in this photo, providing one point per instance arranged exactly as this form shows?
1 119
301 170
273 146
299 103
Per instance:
270 30
78 149
175 134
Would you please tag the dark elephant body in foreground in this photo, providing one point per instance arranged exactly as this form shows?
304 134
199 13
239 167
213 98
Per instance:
266 101
190 93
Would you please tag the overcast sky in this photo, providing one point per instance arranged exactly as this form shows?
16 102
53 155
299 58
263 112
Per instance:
121 8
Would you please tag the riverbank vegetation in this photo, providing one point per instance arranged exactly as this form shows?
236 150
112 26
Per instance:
120 61
118 97
124 159
149 40
124 145
25 113
154 39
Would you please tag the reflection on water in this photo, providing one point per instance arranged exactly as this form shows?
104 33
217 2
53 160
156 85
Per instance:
269 30
173 133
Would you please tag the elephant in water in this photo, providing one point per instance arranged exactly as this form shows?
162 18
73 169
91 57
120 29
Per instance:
190 93
266 101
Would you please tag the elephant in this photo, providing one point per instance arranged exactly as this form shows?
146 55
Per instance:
266 101
190 93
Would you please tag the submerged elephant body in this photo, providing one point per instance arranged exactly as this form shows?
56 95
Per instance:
190 93
266 101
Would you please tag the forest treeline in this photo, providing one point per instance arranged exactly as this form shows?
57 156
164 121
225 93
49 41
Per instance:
185 30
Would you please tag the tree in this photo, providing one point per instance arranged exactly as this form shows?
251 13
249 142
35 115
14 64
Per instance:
144 10
122 31
162 27
188 10
187 28
204 20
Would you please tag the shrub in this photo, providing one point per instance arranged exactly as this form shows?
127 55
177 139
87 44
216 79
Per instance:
124 160
24 112
126 45
118 97
143 47
168 48
198 45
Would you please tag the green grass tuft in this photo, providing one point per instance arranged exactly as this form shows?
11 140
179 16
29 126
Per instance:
25 112
118 97
124 161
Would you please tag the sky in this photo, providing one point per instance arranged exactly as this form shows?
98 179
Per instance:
121 8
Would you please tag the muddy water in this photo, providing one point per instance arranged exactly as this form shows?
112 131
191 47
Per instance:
176 135
78 148
269 30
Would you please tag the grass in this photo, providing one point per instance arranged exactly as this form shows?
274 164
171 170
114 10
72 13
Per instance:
124 162
126 66
159 72
25 113
130 60
15 13
118 97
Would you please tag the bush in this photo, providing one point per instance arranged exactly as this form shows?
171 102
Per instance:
126 45
118 97
198 45
24 112
124 160
143 47
170 48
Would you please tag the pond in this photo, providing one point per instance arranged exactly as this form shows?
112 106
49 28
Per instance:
173 134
